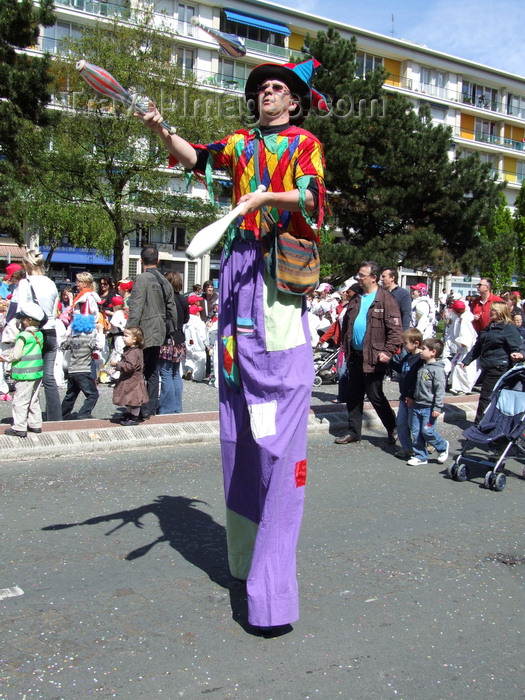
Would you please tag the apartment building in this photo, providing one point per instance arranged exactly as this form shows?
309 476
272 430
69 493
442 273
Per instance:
485 107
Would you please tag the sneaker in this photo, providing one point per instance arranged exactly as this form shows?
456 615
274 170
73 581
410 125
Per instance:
130 421
443 456
415 462
34 430
17 433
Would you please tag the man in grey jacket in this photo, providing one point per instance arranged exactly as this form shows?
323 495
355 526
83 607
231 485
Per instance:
150 304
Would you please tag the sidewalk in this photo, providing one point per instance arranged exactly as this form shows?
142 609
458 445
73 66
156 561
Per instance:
199 424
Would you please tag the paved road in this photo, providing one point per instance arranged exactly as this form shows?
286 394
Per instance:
412 586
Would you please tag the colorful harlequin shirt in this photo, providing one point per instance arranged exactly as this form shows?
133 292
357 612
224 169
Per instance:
287 160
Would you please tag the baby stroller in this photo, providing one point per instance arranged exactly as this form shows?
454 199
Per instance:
501 427
325 365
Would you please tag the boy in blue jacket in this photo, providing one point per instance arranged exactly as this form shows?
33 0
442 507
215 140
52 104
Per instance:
427 400
407 365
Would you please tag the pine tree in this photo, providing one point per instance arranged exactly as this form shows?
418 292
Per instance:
495 257
24 94
397 197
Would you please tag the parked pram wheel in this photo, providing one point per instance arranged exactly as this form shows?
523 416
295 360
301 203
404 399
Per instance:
461 471
500 481
457 471
489 478
317 381
495 482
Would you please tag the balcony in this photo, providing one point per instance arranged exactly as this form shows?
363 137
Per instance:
444 93
267 48
512 178
98 7
217 80
492 139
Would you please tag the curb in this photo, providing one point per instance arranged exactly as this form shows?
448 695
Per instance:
86 437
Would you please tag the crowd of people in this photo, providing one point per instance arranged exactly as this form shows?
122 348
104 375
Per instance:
384 330
84 341
89 333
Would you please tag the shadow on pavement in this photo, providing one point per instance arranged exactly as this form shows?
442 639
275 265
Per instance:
189 530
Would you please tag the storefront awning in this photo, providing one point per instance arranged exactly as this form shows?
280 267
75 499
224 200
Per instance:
77 256
253 21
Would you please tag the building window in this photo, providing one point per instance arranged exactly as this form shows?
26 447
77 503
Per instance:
192 275
516 106
479 95
520 171
54 38
184 16
133 267
180 238
366 63
185 59
232 74
485 130
438 112
434 82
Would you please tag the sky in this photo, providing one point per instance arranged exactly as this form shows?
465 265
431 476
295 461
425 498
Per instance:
491 32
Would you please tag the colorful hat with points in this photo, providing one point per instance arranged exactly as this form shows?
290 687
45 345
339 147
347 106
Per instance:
297 76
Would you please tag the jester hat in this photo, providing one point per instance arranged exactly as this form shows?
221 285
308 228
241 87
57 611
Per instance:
298 77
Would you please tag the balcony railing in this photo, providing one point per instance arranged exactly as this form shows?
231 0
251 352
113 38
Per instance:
443 93
225 82
510 176
266 47
492 139
98 7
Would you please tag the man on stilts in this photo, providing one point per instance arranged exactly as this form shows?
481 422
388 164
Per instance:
266 366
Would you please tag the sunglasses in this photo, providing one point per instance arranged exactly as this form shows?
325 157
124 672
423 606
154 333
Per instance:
274 87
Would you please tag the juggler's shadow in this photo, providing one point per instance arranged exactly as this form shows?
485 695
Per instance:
193 533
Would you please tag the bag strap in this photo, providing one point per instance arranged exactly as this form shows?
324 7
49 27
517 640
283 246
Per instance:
35 300
160 280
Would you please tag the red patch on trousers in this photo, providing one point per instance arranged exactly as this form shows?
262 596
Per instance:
300 473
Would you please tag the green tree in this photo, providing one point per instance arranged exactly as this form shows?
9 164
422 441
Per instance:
495 256
397 197
519 238
24 94
101 158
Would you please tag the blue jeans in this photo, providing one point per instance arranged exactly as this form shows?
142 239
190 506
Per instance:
49 353
404 423
170 399
76 383
424 431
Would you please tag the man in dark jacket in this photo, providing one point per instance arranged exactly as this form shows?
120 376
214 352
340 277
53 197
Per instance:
401 295
150 303
372 333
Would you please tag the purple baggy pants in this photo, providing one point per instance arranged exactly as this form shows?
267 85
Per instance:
264 404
